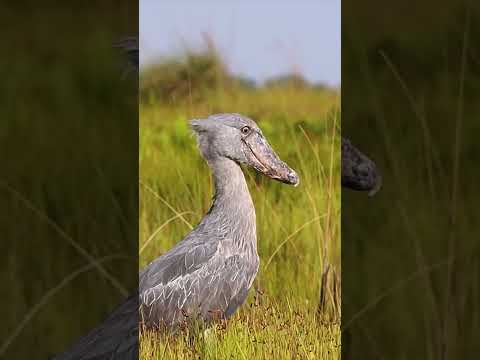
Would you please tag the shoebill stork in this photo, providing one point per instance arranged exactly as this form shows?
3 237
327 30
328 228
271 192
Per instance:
210 271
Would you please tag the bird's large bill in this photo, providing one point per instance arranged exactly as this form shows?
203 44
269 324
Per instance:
262 158
358 171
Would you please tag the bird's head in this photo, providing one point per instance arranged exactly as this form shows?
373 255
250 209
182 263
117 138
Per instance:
358 171
238 138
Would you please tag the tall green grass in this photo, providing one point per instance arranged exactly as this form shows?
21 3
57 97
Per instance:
298 228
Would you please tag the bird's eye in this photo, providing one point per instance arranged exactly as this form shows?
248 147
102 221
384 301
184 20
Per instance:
245 130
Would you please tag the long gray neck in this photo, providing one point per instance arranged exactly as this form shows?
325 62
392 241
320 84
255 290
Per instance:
232 210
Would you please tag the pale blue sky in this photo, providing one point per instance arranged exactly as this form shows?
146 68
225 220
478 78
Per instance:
257 39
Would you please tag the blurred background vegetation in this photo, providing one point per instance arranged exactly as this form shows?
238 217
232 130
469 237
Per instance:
298 228
68 149
411 85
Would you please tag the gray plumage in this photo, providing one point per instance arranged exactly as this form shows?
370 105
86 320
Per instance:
114 338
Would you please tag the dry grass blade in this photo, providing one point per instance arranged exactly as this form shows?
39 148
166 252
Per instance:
452 246
151 237
330 294
290 236
154 193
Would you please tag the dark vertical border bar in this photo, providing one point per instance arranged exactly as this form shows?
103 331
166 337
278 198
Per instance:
410 254
69 172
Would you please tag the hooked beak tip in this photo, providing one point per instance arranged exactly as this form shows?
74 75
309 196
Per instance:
376 188
293 179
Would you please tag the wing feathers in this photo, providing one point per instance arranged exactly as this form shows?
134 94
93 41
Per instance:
215 287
